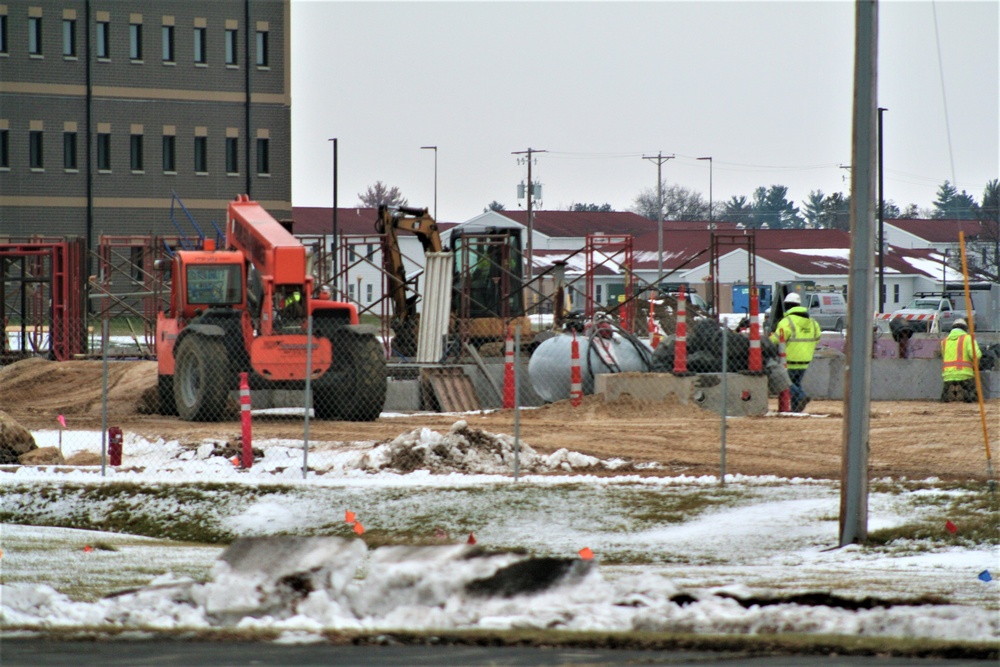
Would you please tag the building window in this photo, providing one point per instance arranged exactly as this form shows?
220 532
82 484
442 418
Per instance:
199 45
262 55
232 156
103 45
69 150
201 154
4 149
104 152
69 37
368 293
350 292
35 35
135 152
35 146
168 43
263 159
135 41
169 154
3 33
597 294
231 36
895 293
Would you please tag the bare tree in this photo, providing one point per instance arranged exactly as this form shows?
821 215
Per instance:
679 203
380 194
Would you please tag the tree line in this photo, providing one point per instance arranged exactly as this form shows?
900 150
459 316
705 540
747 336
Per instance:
766 208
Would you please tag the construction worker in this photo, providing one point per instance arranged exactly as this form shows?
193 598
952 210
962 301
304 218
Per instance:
958 352
801 334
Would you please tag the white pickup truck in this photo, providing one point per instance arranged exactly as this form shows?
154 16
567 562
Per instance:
929 313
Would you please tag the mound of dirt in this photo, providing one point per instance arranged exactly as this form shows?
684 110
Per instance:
40 387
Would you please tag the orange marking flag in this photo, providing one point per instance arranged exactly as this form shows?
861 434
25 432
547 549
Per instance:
349 516
358 528
586 553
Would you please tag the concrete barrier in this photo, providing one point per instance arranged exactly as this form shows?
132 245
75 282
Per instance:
892 379
745 394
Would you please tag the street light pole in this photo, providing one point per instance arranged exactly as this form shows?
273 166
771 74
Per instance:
711 219
333 244
881 220
435 149
659 158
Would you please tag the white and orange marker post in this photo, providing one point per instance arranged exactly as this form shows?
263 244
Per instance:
680 342
247 431
508 373
575 374
655 335
785 397
755 362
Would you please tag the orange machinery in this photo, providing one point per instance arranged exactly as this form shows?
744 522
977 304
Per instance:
245 309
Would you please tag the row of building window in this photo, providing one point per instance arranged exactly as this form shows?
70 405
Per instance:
36 152
102 44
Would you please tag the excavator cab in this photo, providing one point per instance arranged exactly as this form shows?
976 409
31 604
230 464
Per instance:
488 270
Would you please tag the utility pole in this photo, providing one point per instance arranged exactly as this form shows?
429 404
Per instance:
659 158
528 249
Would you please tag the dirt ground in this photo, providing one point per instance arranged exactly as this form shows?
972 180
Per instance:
911 439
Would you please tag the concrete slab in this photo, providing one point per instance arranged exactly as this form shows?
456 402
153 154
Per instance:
745 394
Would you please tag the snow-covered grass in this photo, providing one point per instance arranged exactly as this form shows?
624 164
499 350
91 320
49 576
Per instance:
653 537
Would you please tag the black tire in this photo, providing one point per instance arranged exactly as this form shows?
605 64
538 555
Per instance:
200 379
165 393
354 390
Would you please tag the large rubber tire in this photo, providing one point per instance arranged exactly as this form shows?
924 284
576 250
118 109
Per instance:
165 393
354 390
200 379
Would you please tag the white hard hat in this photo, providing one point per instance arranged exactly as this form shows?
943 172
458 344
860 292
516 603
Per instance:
793 297
961 324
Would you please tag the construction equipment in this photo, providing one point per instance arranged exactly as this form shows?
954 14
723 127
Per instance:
245 309
486 278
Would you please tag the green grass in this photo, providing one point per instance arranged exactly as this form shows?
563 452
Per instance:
976 516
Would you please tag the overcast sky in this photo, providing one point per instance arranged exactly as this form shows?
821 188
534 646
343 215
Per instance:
764 88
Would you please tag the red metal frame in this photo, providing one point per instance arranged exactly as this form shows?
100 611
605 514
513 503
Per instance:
57 263
617 249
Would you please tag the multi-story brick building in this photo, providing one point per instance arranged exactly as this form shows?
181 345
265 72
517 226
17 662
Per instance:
108 108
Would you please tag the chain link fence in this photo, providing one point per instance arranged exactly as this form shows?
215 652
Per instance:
586 398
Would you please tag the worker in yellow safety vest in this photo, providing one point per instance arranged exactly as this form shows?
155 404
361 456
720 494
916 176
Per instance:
958 353
801 334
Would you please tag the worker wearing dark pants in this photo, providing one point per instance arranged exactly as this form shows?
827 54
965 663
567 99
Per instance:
958 353
801 333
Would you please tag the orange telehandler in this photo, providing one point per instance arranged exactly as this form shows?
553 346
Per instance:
244 309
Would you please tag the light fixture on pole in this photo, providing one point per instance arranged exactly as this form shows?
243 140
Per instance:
435 149
659 158
711 219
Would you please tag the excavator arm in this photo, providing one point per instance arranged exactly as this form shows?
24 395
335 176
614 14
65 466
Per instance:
390 222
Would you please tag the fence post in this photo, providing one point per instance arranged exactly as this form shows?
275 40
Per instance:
508 373
785 397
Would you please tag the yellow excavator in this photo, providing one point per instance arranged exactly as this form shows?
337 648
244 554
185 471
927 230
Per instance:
487 278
